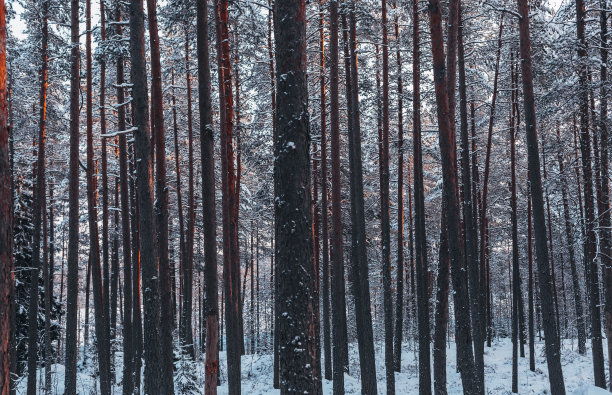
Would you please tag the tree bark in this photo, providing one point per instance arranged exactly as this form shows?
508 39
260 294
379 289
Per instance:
359 262
6 220
465 356
590 250
39 197
144 191
399 299
337 254
73 206
551 340
100 298
419 216
605 217
128 353
166 356
469 211
324 208
231 268
292 203
211 302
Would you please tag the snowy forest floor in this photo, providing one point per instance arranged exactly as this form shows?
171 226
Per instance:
257 373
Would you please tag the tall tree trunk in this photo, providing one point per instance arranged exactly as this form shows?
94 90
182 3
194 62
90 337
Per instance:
231 268
591 260
419 215
441 313
6 220
605 217
384 210
294 222
337 255
39 196
516 280
137 334
569 235
187 331
324 205
469 211
484 283
161 207
179 199
553 356
530 285
128 349
465 356
73 206
211 303
359 262
145 211
399 302
108 310
100 298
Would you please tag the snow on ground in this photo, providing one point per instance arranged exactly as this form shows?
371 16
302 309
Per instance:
257 373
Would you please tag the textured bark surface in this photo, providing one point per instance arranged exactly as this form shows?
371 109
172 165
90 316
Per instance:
465 356
231 268
6 218
128 357
589 204
359 262
292 203
72 281
337 255
144 193
100 298
550 328
327 351
211 303
39 196
469 211
420 235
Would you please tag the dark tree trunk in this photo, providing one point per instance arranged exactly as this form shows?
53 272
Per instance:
324 210
469 212
145 211
399 301
100 298
108 307
441 313
550 238
6 220
128 349
73 206
179 199
39 197
337 255
186 329
590 250
516 280
530 285
231 268
294 222
484 283
166 356
552 346
605 220
569 235
359 262
465 356
419 216
384 210
136 311
211 303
